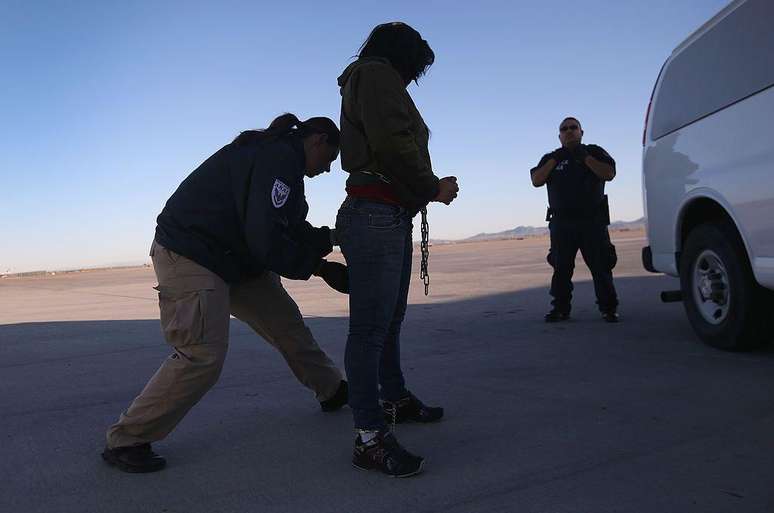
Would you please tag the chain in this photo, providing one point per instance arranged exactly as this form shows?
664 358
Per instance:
424 246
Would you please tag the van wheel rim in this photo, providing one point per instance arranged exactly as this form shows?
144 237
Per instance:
711 292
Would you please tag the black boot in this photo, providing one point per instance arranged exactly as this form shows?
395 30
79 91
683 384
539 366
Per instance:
135 459
338 400
610 316
410 409
557 316
385 454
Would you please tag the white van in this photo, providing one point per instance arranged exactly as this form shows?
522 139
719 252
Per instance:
708 175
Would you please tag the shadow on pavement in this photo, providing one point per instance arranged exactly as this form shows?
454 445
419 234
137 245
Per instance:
577 416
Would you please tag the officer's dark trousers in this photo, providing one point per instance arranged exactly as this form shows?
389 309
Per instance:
590 235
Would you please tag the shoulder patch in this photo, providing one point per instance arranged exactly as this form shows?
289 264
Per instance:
279 193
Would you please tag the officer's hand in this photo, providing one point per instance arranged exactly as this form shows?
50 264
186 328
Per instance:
559 154
579 152
335 275
322 239
447 190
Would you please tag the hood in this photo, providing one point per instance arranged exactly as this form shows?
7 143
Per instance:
350 70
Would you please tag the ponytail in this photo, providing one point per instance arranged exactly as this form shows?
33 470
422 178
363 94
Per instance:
282 125
287 124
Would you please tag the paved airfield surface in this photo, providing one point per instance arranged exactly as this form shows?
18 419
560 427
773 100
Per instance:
575 417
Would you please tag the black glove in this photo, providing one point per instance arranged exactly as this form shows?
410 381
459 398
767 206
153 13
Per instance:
579 153
335 275
321 240
559 154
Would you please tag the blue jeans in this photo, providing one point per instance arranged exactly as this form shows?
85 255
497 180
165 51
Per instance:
375 239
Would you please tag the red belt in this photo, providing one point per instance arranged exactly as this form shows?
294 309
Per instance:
383 193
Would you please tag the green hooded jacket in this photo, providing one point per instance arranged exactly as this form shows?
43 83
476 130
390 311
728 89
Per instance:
383 136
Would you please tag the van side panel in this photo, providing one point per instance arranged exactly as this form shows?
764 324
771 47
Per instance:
712 135
664 183
728 156
732 60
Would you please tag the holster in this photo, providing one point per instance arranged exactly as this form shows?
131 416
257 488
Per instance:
605 210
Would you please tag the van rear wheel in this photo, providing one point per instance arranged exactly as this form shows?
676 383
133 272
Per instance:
724 303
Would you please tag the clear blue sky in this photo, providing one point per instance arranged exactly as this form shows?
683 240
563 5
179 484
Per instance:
106 106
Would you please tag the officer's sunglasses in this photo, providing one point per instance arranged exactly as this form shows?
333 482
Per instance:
568 127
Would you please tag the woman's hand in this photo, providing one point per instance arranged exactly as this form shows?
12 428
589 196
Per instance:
447 190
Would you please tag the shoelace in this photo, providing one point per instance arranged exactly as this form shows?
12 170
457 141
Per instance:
392 409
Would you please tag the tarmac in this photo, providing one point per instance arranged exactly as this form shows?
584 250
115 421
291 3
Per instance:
581 416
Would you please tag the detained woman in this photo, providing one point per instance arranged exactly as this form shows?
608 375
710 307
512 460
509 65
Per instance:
384 148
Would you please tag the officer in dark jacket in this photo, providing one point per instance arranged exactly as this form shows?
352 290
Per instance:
224 237
578 216
243 211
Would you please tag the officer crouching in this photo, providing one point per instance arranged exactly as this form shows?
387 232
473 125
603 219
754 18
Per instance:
578 215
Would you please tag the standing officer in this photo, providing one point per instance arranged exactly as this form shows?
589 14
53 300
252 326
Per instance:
578 216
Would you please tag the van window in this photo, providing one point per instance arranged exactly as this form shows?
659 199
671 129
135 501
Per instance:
731 61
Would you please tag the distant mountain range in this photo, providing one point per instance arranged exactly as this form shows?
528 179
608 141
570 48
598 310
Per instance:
516 233
533 231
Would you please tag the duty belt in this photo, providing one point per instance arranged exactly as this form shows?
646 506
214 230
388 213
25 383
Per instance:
603 210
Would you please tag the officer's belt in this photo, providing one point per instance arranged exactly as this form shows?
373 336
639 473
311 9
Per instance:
581 212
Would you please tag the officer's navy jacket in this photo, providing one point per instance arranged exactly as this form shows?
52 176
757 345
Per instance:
572 185
243 211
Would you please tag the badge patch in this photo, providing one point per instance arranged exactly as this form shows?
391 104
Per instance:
279 193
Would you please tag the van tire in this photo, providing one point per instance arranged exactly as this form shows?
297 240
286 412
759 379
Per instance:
740 323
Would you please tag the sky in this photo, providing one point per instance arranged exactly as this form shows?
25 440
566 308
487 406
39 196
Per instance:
105 107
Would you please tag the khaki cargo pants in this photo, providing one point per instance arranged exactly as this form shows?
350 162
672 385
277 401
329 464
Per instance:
195 305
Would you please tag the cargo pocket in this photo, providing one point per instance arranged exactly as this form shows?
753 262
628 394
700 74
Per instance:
612 256
550 258
182 315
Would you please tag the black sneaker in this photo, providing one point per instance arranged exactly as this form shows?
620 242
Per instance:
610 316
338 400
410 409
135 459
557 316
385 454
